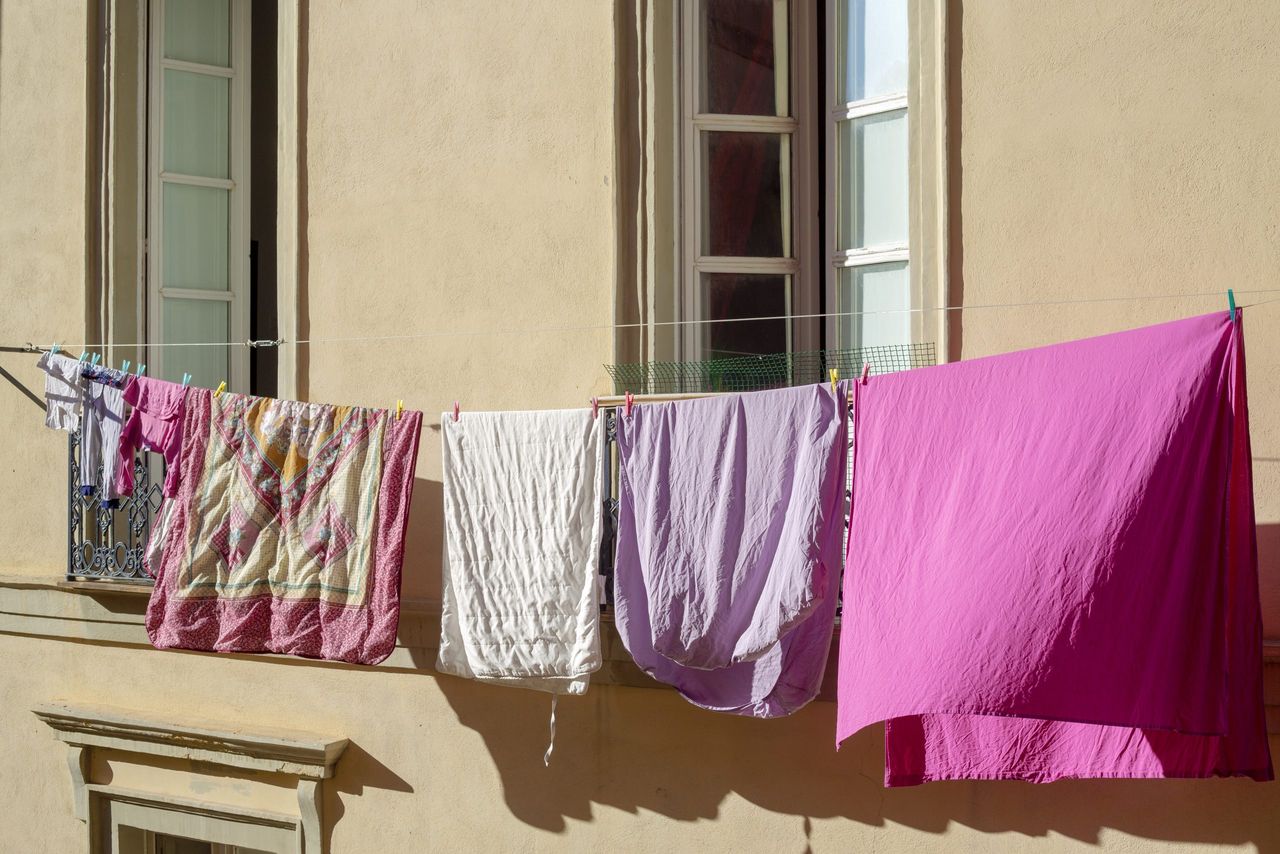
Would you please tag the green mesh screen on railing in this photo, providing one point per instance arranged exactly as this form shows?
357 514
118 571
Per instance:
775 370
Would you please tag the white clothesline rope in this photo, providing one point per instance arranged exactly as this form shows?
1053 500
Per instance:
535 330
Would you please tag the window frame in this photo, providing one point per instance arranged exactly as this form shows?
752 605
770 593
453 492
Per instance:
836 110
803 299
237 184
125 822
929 157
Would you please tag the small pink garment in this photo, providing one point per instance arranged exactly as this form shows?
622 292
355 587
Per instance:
155 424
1052 566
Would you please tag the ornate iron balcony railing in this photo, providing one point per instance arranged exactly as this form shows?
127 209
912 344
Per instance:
108 542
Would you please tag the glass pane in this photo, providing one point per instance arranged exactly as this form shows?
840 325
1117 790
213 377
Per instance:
166 844
874 288
734 295
871 49
744 65
871 195
197 110
746 183
195 237
198 31
195 321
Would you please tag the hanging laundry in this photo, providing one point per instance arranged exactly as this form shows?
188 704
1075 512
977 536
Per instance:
100 427
63 391
287 532
523 505
155 424
1052 568
729 534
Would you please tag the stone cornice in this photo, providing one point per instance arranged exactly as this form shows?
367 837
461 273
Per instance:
267 749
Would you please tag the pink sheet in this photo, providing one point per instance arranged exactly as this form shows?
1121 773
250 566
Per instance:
1052 568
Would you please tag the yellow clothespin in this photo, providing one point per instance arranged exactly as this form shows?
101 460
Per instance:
399 409
835 375
222 386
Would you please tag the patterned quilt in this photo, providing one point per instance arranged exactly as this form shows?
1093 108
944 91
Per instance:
287 532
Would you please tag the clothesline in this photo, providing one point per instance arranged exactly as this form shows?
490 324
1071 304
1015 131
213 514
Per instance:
411 336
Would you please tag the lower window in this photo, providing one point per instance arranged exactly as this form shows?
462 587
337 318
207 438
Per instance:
137 827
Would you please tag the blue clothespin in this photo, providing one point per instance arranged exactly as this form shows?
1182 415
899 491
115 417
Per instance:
55 348
84 355
186 379
142 369
1231 302
96 358
124 368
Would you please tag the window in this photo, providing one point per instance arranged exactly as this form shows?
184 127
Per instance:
137 826
191 96
197 223
746 185
777 99
133 840
187 194
867 157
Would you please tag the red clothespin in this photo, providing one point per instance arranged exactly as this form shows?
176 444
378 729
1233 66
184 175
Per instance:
455 410
595 407
630 399
866 369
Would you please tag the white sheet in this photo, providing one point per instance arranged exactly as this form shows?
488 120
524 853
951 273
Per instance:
522 508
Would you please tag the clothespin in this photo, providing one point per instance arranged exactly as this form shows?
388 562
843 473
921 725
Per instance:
124 368
1231 304
866 369
186 379
595 407
222 386
835 375
55 348
455 412
84 355
142 369
399 409
96 358
630 400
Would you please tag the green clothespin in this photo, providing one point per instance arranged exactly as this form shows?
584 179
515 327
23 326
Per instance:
1231 302
142 369
84 355
96 358
186 380
124 369
56 347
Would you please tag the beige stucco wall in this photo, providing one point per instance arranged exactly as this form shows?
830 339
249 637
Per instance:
460 177
1123 149
43 148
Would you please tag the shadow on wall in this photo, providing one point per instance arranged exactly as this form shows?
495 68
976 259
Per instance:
636 749
954 320
356 771
424 541
1269 572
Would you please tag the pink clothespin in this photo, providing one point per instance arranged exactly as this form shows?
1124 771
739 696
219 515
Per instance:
595 407
455 410
866 369
630 399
